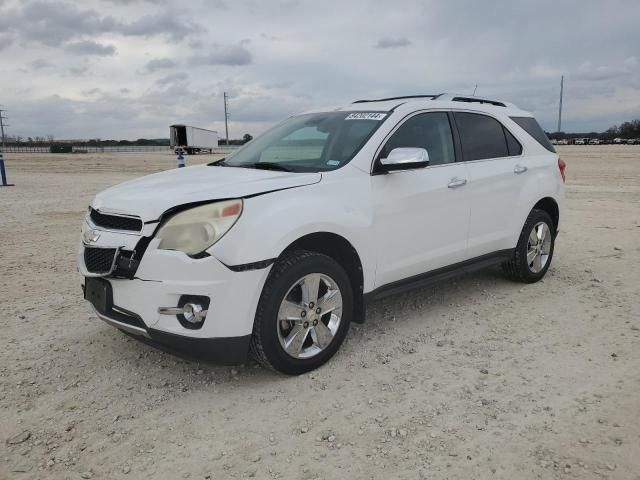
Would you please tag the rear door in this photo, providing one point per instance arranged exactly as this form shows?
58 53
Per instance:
421 215
496 170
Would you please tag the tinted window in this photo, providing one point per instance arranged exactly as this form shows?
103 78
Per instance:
430 131
481 136
512 144
531 126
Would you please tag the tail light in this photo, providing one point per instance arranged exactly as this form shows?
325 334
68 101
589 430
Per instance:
562 166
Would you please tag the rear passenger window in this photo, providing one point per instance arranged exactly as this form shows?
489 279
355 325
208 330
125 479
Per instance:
481 136
430 131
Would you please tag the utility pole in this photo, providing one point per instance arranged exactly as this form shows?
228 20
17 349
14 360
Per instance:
3 173
475 90
226 119
560 105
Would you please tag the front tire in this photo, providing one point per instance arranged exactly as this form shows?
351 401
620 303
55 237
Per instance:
304 313
534 251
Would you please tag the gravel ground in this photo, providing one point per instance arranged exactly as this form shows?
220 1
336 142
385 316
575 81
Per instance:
475 378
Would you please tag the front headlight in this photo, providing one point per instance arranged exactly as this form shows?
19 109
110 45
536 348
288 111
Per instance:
196 229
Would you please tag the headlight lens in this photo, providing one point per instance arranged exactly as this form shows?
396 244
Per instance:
196 229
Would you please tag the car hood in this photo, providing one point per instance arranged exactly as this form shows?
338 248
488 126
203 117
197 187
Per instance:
150 196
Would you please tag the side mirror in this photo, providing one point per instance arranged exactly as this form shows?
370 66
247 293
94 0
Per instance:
404 159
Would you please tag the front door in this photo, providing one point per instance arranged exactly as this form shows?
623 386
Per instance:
421 216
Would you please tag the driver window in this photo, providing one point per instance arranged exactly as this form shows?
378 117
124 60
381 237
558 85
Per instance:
430 131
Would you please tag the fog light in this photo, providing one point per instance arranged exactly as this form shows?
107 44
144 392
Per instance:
193 312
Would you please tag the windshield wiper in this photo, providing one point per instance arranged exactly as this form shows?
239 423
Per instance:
217 163
266 166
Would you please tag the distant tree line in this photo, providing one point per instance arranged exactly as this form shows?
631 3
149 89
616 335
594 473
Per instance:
97 142
246 138
94 142
624 130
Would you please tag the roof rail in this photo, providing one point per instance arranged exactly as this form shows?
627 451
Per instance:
471 99
451 97
478 100
432 97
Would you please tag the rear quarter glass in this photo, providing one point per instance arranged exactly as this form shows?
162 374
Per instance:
533 128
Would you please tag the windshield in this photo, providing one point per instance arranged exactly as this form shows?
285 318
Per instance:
309 143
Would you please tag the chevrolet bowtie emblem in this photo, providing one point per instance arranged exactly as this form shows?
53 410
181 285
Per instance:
91 236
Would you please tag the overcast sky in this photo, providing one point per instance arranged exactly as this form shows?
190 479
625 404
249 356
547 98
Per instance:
129 69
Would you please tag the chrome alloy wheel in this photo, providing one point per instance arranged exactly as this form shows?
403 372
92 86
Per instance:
538 247
309 316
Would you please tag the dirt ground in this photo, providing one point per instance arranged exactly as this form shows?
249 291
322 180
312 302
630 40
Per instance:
476 378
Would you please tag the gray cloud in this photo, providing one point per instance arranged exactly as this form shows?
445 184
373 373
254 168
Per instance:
388 42
167 23
53 23
5 41
40 64
89 47
233 55
172 78
159 64
78 71
91 91
295 57
131 2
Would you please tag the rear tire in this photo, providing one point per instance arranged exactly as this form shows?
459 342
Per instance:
534 251
294 331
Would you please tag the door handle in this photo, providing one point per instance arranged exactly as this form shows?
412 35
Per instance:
457 182
520 169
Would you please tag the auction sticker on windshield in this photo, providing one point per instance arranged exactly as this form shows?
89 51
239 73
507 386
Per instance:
366 116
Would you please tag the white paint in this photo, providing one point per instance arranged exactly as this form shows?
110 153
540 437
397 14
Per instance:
401 224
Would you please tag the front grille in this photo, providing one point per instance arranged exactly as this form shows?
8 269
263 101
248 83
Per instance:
115 222
99 260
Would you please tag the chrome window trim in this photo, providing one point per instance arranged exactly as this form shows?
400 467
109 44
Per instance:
445 110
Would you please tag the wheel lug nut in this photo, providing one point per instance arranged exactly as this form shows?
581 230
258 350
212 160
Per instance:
315 322
318 310
311 305
303 313
306 325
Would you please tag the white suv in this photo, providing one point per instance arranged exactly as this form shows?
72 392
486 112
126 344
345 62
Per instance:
277 248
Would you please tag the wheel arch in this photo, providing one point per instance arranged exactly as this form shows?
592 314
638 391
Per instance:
343 252
549 205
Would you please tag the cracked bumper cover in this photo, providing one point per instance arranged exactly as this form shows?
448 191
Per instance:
161 279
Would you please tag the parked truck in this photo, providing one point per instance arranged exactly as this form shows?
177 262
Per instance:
192 139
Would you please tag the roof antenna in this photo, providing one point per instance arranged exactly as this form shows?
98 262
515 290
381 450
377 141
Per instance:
474 90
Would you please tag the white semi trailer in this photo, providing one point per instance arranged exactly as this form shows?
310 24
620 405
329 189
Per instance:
192 139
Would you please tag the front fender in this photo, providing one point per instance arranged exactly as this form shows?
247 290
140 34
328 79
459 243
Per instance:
271 222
